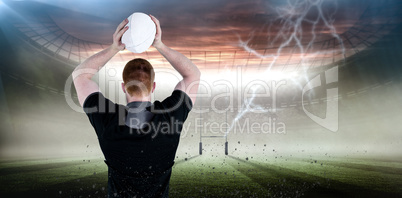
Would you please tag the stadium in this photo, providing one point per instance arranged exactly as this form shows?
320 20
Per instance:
298 98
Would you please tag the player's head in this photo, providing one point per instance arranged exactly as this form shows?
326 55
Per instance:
138 78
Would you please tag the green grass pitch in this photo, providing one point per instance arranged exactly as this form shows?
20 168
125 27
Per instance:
216 176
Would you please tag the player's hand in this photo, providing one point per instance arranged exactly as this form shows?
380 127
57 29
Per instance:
158 35
117 44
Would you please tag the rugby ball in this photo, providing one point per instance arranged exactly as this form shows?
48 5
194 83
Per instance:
140 34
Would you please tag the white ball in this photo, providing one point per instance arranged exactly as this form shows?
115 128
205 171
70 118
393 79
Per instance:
140 34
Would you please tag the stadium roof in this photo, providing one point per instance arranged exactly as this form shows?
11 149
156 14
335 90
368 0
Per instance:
324 40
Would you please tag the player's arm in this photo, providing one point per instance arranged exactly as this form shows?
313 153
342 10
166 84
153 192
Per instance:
190 73
82 75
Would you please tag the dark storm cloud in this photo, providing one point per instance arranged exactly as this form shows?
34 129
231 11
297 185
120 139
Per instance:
196 25
184 23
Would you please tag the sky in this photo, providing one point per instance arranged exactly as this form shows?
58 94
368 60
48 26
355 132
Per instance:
262 32
202 26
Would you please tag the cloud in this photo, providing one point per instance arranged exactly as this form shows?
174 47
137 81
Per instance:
221 27
193 25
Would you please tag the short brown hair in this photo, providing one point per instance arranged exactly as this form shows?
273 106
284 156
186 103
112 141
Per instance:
138 74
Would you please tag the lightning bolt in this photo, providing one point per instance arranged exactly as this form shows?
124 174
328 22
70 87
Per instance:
291 18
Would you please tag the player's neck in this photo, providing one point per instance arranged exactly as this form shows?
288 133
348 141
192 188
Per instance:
137 99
